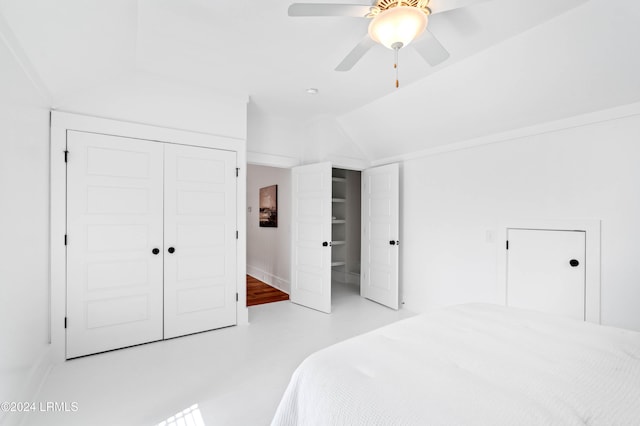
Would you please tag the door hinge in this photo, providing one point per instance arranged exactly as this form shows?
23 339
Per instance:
66 156
65 239
237 171
236 297
65 322
507 244
237 235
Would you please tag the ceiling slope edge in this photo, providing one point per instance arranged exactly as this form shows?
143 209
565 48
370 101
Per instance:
141 97
529 80
9 39
327 140
609 114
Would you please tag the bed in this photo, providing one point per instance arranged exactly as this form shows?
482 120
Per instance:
471 365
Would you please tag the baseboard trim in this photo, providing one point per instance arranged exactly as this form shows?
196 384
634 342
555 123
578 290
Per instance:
269 278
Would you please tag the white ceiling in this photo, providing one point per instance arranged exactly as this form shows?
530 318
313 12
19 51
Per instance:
579 62
252 48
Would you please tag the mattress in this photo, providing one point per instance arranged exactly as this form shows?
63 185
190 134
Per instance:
471 365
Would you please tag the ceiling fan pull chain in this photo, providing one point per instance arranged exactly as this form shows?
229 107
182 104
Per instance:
395 65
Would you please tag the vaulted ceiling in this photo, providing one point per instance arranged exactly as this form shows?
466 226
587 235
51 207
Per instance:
513 63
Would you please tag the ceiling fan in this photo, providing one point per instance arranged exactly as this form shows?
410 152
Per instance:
394 24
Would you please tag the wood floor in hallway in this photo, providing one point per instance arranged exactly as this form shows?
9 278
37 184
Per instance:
259 293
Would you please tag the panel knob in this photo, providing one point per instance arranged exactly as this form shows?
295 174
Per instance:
171 250
155 251
574 263
325 244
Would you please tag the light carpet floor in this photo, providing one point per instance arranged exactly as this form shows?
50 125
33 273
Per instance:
232 376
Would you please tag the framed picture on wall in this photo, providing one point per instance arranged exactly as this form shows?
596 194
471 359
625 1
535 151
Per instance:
269 206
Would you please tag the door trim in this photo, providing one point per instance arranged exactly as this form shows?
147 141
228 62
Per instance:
591 228
61 122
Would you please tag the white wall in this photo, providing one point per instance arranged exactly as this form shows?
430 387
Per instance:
269 249
303 142
150 99
24 216
454 202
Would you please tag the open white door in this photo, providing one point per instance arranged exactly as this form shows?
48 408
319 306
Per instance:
311 236
380 235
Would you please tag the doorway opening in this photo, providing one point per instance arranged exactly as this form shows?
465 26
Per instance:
345 232
269 248
341 230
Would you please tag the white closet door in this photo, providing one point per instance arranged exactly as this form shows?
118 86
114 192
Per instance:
380 235
546 271
199 240
311 236
114 221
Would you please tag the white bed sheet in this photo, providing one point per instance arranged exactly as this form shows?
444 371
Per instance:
471 365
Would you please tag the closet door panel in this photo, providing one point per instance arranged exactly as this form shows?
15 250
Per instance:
380 235
114 221
310 236
200 239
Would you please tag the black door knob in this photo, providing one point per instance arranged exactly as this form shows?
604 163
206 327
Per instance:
325 244
155 251
392 242
171 250
574 263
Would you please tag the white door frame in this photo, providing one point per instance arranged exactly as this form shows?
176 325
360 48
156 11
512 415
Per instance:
591 227
61 122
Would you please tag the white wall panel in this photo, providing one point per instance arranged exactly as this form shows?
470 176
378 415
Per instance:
150 99
130 309
453 204
117 163
24 214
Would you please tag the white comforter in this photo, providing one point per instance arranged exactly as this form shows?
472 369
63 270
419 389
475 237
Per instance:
471 365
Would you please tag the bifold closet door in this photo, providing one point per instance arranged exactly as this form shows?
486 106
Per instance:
114 223
199 240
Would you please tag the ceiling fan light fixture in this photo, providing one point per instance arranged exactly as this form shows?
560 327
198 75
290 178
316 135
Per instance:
398 26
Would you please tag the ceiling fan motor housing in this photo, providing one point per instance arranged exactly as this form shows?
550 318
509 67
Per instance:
383 5
397 27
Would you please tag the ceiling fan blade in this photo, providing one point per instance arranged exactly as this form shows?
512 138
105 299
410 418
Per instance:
464 21
324 9
430 49
439 6
356 54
